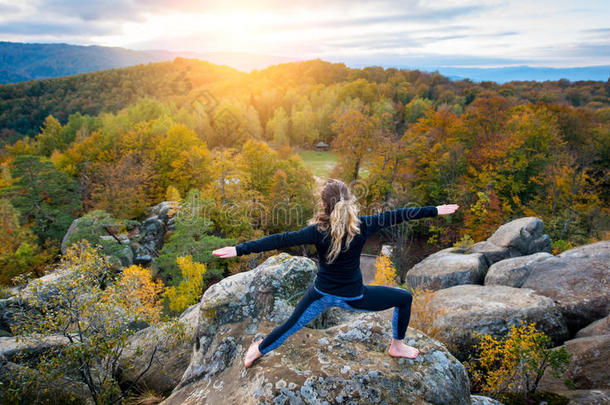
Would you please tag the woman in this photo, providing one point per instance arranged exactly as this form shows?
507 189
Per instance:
339 235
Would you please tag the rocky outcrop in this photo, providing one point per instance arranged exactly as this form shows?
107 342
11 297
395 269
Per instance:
523 236
344 360
588 367
22 349
587 397
466 310
10 310
128 242
514 271
578 280
598 249
481 400
447 268
170 359
40 391
600 327
458 266
346 363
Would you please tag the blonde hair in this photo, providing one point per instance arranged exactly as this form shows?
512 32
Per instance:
339 216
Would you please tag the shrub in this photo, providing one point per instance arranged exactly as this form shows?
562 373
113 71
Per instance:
561 245
516 363
424 314
92 312
385 273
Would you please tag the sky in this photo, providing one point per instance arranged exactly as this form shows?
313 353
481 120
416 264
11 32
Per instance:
440 33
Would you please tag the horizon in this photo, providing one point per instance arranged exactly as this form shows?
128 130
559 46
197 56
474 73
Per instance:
419 34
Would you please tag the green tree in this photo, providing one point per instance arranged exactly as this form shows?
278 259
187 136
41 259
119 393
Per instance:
46 198
192 237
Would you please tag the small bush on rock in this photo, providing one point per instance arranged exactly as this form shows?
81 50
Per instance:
513 366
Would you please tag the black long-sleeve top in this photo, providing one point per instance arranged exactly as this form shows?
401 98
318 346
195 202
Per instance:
343 276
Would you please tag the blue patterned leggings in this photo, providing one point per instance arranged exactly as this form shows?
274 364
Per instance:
314 302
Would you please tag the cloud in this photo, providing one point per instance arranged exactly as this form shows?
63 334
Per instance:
27 28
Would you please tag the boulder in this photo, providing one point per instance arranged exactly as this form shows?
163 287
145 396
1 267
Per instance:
170 359
21 349
63 392
598 249
465 310
67 239
514 271
579 283
269 291
166 212
344 360
588 367
523 236
481 400
10 310
99 227
346 363
446 269
587 397
491 252
600 327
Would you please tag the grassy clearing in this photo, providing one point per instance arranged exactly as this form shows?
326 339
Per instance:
320 163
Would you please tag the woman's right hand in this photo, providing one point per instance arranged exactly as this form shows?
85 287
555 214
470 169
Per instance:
225 252
447 209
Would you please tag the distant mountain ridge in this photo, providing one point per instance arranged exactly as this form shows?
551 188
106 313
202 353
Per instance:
24 61
30 61
527 73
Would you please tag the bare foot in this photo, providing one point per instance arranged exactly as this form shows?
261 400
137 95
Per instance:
399 349
252 353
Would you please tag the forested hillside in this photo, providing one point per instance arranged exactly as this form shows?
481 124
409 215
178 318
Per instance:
20 61
122 140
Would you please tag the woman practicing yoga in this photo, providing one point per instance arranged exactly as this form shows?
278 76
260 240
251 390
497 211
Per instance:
339 235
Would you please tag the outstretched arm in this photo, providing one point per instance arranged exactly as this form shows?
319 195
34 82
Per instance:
275 241
393 217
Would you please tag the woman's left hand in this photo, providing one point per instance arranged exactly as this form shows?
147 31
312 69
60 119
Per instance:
447 209
225 252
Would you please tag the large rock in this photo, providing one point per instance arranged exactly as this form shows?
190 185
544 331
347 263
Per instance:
600 327
587 397
522 236
514 271
170 357
481 400
491 252
598 249
100 228
343 364
579 282
10 310
66 391
446 269
345 360
588 367
269 291
23 349
463 311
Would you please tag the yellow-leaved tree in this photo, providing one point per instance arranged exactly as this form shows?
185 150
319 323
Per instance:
385 273
511 368
88 311
190 288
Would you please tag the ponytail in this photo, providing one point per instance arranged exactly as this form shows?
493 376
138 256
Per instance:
339 217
